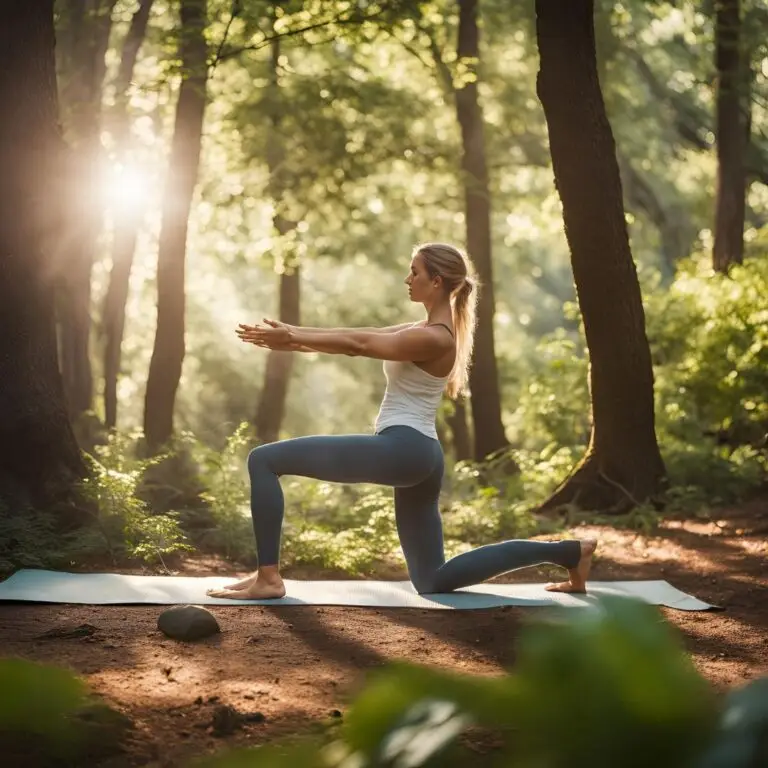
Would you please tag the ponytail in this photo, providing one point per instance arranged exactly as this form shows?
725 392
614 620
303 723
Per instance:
464 320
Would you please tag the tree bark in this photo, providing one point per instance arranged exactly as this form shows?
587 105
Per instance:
731 135
168 352
39 457
126 221
622 466
86 25
483 377
460 436
274 394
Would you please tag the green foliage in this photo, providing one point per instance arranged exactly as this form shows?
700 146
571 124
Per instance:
222 472
553 406
709 344
123 522
352 535
24 706
709 341
49 718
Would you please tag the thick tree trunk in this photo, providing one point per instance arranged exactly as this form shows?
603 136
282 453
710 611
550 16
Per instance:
622 466
126 221
39 458
731 135
86 25
483 378
168 351
274 394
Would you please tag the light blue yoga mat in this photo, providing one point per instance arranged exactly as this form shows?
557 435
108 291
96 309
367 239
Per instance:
116 589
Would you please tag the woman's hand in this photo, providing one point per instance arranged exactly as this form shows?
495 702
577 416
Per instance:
274 336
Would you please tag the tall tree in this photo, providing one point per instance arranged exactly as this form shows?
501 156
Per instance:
483 376
731 136
622 465
277 376
168 352
127 219
39 457
84 31
485 401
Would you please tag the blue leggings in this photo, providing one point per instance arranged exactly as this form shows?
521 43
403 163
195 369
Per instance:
410 462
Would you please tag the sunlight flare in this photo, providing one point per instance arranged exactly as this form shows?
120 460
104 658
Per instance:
125 187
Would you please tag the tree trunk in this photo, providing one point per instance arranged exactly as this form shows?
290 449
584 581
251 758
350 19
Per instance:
39 458
115 300
126 221
274 394
622 466
460 436
483 377
168 351
277 377
86 25
731 137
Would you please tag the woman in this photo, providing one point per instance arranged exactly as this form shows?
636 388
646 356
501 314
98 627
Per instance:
421 361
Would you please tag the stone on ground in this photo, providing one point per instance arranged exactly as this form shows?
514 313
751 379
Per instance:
188 622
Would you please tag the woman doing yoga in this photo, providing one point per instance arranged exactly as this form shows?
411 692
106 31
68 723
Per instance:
421 361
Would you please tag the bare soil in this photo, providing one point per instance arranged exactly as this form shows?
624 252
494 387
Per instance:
300 666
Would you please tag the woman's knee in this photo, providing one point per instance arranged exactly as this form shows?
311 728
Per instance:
424 585
258 458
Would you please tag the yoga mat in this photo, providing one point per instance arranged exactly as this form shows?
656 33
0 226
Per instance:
115 589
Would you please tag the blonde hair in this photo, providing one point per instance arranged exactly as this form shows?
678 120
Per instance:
458 275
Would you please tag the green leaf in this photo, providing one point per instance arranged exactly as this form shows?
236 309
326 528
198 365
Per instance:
38 699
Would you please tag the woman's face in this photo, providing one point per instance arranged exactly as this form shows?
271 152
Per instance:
421 287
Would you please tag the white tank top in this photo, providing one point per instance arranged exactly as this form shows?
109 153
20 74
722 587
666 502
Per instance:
411 398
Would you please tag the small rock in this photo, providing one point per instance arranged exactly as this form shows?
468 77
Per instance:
335 713
188 622
225 721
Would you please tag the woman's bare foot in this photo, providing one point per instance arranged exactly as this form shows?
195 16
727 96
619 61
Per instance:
258 590
577 577
263 585
246 582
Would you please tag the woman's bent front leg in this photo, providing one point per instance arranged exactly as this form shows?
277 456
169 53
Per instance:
399 456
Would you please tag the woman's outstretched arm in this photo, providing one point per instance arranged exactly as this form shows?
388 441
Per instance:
309 329
410 343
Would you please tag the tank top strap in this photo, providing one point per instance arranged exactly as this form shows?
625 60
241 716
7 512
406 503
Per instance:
447 327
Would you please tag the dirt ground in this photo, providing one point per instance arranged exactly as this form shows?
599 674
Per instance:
299 667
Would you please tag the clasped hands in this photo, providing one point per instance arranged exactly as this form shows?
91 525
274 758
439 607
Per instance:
271 335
